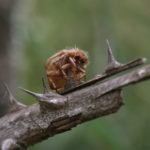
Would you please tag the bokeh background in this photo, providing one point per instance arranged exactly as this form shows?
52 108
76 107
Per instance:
39 29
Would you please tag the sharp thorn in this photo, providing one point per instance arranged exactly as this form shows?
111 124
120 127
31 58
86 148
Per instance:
111 57
11 97
37 95
15 105
112 62
44 87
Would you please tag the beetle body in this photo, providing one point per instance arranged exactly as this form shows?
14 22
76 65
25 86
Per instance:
64 65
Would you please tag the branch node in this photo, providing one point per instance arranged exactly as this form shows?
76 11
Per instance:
48 100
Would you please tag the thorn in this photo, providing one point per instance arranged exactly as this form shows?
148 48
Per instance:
15 105
112 62
12 99
37 95
48 100
44 87
111 57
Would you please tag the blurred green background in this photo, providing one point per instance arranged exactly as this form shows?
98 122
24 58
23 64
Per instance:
42 28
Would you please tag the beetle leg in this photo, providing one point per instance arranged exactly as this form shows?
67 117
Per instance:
53 73
59 90
84 77
66 66
63 72
72 61
80 69
53 84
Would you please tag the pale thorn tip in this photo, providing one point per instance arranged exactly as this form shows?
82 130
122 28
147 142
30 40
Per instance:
144 59
37 95
111 57
112 62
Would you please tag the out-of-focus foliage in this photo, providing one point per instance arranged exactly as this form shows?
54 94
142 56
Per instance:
51 25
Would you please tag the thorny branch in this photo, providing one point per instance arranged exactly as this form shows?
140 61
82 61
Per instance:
54 113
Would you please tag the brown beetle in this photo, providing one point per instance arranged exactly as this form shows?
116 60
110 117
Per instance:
64 65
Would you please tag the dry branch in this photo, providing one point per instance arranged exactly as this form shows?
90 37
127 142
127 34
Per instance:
56 113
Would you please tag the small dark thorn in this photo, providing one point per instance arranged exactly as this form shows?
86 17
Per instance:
112 62
37 95
15 104
44 87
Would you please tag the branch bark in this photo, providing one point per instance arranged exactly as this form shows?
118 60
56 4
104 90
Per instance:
31 125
